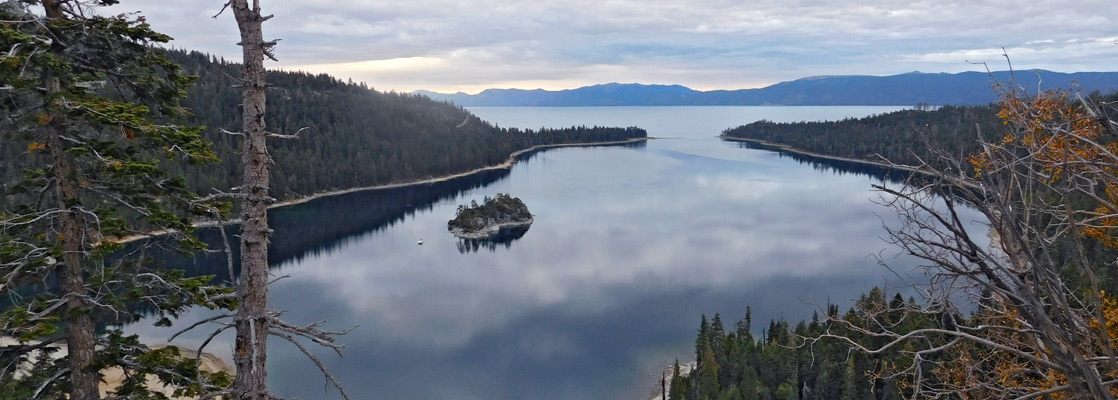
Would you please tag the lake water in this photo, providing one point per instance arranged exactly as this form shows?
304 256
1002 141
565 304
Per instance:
630 245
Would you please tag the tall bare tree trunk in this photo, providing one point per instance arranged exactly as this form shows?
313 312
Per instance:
252 320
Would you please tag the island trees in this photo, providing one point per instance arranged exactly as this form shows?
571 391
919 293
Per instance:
91 102
488 218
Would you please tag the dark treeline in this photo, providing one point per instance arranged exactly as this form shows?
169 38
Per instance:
354 136
900 136
781 365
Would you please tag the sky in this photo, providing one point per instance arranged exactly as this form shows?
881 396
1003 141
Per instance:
471 45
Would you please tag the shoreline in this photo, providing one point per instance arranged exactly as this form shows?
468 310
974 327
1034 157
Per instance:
790 149
491 230
508 163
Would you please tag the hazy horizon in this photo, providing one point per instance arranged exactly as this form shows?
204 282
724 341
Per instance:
447 46
740 88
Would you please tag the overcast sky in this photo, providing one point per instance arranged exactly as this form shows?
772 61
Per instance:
464 45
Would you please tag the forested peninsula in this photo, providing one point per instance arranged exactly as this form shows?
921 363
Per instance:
905 137
899 137
349 135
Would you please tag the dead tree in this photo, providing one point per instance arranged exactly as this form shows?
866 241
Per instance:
253 321
1036 334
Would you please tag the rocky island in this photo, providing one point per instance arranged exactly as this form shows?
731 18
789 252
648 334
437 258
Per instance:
486 220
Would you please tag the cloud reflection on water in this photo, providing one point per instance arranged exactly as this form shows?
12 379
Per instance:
628 248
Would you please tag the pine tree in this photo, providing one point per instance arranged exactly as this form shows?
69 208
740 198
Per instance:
91 101
850 381
708 374
702 340
717 333
750 384
679 384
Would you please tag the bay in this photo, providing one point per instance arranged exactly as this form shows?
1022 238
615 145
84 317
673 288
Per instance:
630 245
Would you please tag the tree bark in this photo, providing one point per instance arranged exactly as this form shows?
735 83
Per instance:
252 320
80 339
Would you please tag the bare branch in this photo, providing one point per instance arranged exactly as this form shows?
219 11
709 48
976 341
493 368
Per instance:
291 136
321 367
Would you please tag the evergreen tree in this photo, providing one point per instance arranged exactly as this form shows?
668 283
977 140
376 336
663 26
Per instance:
708 374
750 384
679 384
717 333
731 394
703 340
88 99
850 381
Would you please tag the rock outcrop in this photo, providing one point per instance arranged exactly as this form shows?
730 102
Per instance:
487 219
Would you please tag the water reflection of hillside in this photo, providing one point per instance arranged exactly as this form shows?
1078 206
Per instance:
327 224
838 167
880 173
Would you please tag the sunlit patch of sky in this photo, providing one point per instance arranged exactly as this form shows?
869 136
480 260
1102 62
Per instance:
450 46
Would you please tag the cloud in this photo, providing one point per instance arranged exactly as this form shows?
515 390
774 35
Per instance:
705 44
1045 52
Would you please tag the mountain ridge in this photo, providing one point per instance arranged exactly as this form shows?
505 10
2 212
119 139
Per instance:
907 89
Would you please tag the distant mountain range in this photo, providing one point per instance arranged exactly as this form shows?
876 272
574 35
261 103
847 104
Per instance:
966 88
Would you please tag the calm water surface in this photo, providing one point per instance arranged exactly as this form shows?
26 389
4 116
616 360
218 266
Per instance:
630 246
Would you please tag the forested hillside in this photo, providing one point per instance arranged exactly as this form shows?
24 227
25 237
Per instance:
354 136
899 136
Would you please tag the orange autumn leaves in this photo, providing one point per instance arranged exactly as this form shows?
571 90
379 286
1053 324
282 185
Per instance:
1058 141
1065 139
975 371
1054 130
